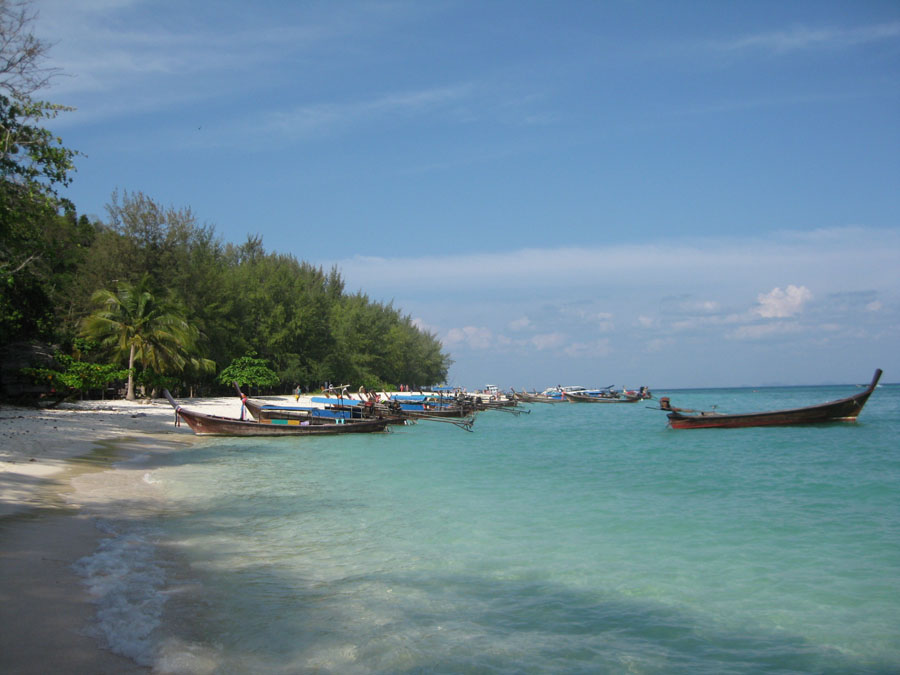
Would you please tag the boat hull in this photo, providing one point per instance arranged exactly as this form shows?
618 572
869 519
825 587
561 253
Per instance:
587 398
333 415
211 425
214 425
415 412
842 410
537 398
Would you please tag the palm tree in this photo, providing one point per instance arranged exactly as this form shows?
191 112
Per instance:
132 321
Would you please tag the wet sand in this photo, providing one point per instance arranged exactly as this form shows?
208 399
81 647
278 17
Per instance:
46 611
57 482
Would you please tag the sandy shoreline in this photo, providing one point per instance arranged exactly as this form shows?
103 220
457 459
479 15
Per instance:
36 445
46 525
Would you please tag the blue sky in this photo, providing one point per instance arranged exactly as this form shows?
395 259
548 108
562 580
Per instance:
629 192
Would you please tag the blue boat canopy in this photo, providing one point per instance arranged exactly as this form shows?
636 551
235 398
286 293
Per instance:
336 401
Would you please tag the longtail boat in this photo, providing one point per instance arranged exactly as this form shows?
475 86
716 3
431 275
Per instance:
841 410
575 397
203 424
463 417
525 397
347 410
510 406
343 411
494 404
426 408
410 408
431 404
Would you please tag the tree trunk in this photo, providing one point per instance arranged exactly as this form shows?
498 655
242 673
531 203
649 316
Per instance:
130 392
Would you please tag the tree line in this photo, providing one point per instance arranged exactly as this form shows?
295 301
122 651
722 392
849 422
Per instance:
151 295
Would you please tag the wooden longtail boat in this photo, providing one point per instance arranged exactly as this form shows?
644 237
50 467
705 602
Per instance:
425 409
590 398
510 406
525 397
842 410
347 410
412 408
335 414
213 425
495 404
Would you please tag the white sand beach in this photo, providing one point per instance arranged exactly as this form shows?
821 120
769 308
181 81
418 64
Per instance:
46 524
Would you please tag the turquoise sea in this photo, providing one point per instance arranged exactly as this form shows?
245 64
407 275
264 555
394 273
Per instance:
573 539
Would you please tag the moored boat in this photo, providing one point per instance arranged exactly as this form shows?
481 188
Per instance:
841 410
608 395
411 407
341 411
577 397
426 407
497 404
204 424
526 397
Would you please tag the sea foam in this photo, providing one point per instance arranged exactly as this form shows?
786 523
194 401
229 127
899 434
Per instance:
125 580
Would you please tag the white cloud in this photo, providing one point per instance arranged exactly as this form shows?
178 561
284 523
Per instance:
659 345
802 37
779 303
308 120
601 321
759 331
424 327
587 315
474 337
691 292
145 59
823 257
582 350
520 324
702 306
707 322
548 340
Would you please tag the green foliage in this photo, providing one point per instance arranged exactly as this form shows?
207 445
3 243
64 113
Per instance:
186 302
182 302
150 380
217 302
29 153
35 255
249 371
75 375
42 247
133 323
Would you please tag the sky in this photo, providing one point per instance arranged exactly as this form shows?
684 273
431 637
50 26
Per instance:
619 192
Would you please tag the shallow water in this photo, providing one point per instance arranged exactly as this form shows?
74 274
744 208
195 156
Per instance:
575 539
